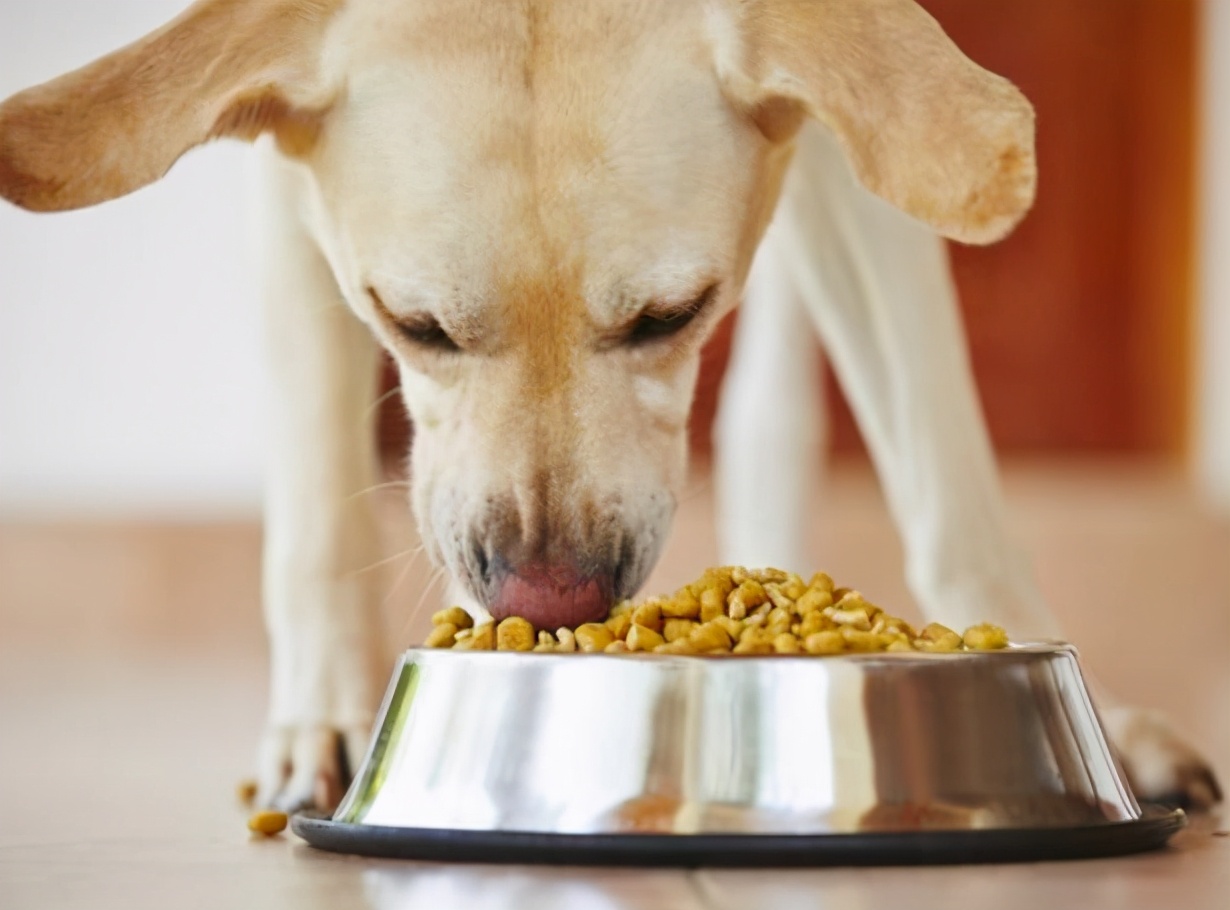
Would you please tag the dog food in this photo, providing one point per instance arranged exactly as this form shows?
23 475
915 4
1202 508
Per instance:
730 610
268 823
245 790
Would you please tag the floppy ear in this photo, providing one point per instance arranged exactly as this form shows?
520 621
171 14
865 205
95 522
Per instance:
923 126
223 68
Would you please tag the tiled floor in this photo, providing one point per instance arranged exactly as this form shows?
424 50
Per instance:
131 693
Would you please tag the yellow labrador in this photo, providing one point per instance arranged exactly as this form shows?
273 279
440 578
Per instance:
541 208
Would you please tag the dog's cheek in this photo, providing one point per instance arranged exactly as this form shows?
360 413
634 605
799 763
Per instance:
429 479
664 405
659 398
422 492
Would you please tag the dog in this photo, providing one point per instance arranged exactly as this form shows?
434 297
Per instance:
541 209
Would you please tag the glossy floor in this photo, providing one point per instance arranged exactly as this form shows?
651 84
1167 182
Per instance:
131 693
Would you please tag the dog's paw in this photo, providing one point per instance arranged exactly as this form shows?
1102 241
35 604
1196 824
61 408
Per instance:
308 767
1161 766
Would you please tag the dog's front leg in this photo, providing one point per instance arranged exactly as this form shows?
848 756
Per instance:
879 287
765 464
321 540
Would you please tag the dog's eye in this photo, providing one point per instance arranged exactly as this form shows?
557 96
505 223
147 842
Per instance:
421 328
425 331
650 326
654 324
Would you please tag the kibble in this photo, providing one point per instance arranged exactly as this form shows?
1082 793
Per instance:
483 638
593 637
674 629
442 636
643 638
985 637
245 790
269 823
455 615
728 610
649 615
514 634
619 624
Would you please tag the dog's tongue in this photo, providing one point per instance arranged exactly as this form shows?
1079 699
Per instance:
551 597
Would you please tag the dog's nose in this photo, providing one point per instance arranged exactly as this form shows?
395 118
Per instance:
550 596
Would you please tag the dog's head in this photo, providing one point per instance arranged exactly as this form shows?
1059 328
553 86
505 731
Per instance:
541 208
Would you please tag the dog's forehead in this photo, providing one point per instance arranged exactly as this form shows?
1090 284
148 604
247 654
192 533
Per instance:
479 145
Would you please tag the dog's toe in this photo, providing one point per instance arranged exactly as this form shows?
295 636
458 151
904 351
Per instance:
1161 765
308 767
1197 790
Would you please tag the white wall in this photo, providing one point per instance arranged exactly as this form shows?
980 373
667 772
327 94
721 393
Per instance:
1213 324
130 346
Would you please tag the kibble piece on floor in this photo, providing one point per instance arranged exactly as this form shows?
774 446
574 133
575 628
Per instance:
246 791
268 824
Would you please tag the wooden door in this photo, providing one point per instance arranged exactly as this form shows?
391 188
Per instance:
1078 322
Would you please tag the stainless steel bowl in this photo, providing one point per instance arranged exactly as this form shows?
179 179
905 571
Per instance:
663 745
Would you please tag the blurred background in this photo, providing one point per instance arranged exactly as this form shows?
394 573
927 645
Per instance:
130 342
132 394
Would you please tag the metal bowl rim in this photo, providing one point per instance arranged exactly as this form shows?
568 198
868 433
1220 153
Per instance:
1021 649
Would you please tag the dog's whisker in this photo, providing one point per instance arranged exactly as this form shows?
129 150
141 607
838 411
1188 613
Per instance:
412 551
375 405
388 484
700 488
437 575
401 577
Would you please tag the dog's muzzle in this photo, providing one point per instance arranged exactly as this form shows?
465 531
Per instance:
557 570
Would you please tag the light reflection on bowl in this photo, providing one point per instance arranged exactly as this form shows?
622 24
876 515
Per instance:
598 744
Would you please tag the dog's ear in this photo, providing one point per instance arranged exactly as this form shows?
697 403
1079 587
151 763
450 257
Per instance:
923 126
223 68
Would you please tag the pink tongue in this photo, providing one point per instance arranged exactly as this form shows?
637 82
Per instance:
551 597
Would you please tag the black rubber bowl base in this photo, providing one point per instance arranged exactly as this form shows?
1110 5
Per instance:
744 850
